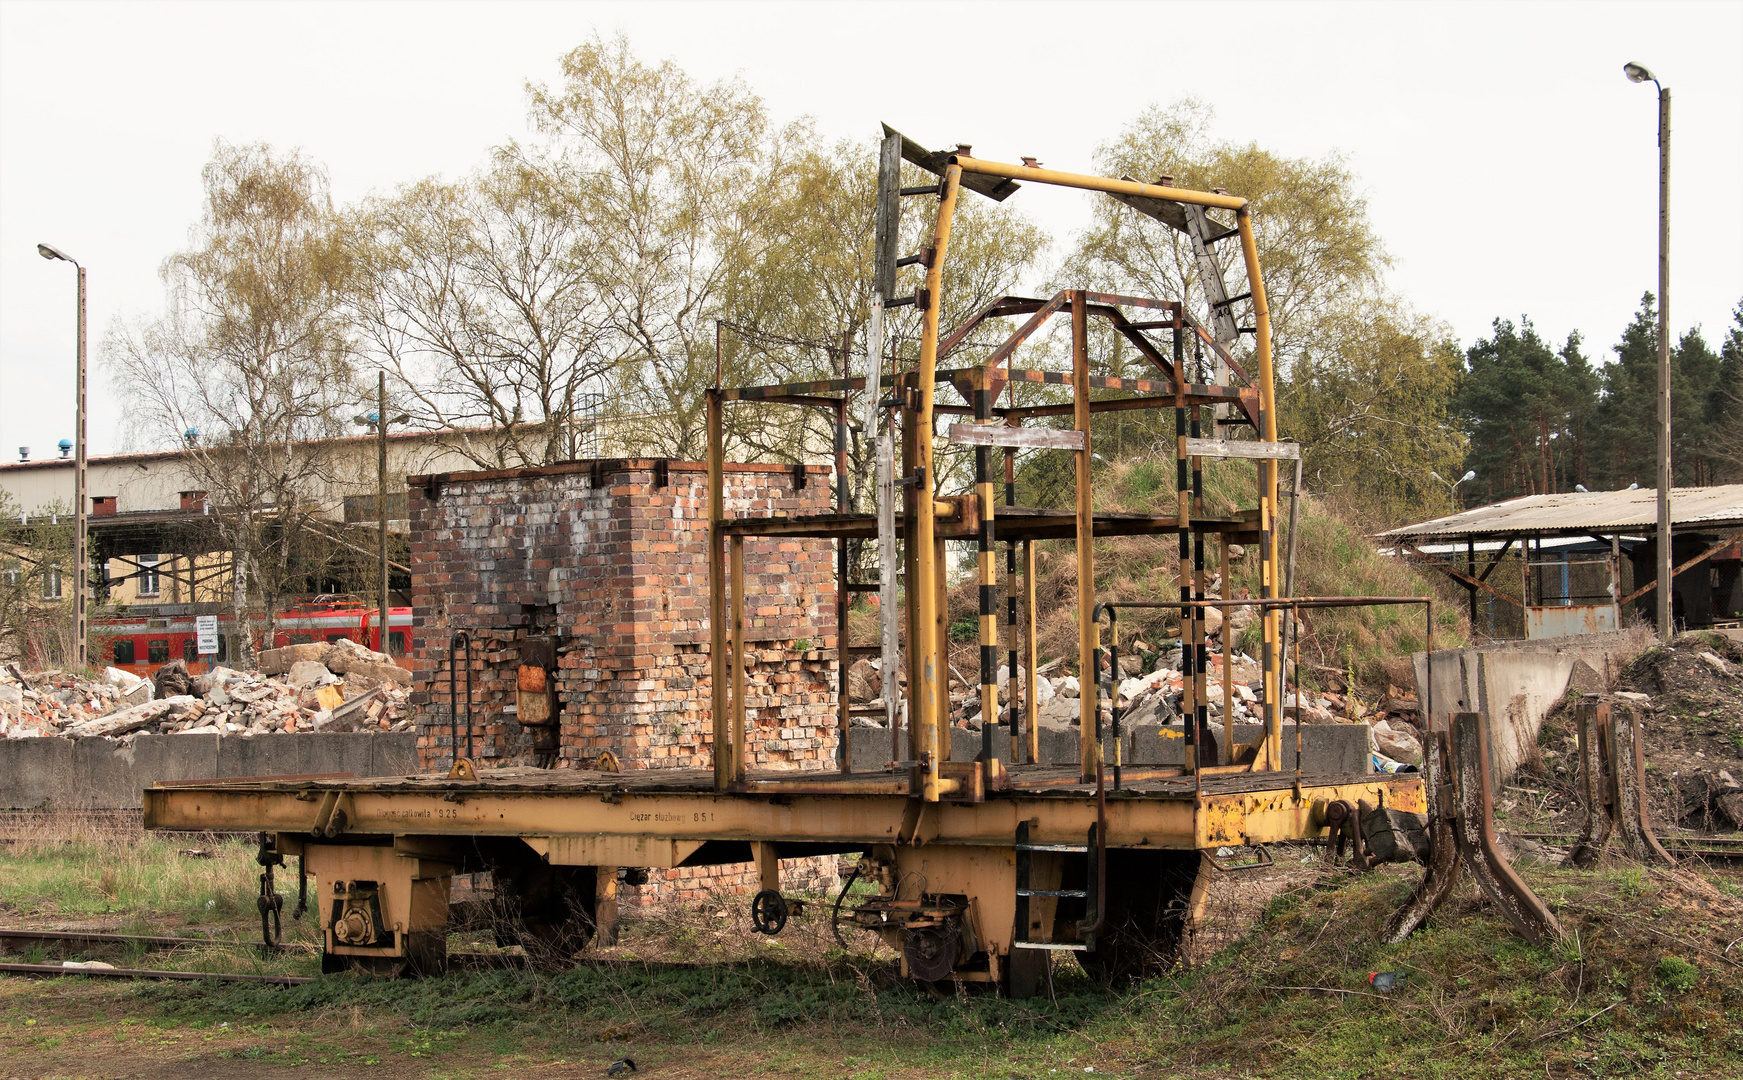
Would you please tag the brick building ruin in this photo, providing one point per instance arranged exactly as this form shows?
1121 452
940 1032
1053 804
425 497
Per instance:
596 572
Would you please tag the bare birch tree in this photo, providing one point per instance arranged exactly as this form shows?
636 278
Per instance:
254 354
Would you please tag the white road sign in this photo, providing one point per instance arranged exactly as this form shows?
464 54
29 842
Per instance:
206 628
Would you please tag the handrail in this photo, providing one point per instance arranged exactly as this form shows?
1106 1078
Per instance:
461 639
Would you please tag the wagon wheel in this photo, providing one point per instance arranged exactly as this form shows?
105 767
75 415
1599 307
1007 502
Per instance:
930 952
1147 897
547 910
379 967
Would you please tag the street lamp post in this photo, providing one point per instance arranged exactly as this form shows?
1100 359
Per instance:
80 504
1638 74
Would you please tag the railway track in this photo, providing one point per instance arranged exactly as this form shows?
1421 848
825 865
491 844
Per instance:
1706 847
17 940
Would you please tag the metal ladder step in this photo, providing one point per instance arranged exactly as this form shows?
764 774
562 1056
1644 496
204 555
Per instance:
1052 847
1062 947
1052 892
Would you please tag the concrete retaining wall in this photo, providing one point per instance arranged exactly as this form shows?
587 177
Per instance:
1513 684
103 774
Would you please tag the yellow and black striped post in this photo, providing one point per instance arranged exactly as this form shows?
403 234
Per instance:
1190 624
989 619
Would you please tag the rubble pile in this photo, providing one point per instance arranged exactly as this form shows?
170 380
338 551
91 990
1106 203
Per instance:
340 686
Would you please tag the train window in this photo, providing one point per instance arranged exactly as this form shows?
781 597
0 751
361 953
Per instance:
223 647
190 649
123 650
337 637
157 651
300 639
396 642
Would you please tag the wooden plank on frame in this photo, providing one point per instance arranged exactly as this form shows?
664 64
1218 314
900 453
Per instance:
1001 435
1224 448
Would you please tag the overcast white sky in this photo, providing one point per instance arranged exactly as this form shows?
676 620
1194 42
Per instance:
1511 168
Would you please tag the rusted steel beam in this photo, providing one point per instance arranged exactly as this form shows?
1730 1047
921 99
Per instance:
1628 777
1592 717
1444 865
1476 835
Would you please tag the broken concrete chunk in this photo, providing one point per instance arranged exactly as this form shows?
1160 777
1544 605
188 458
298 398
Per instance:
307 673
279 661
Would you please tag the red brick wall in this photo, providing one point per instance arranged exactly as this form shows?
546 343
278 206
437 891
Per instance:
615 563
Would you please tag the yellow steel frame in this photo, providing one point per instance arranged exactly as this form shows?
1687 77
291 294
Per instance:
923 562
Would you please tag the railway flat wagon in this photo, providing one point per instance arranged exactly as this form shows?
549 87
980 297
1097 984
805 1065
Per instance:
982 864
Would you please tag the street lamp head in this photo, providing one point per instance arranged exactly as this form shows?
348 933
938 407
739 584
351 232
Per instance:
1472 475
1637 73
65 446
49 251
1582 489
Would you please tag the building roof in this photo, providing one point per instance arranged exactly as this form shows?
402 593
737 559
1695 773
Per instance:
1582 512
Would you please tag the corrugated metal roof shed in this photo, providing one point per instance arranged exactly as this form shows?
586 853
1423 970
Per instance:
1580 512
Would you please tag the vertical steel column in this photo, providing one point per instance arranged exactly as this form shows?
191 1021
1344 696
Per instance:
717 668
1011 615
843 657
1267 484
1201 639
1031 707
1088 673
988 573
738 651
1190 617
82 505
1471 571
925 570
1225 754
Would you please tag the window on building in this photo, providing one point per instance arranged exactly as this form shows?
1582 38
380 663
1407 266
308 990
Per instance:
51 583
149 583
190 649
13 574
123 651
157 651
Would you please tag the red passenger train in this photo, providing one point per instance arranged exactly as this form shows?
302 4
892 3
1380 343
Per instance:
144 642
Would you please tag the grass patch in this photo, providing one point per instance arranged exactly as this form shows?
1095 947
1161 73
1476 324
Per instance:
1644 984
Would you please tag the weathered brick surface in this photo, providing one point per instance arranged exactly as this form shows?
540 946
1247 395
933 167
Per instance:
615 564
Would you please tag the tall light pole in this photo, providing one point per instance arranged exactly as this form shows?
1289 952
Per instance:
81 507
1639 74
